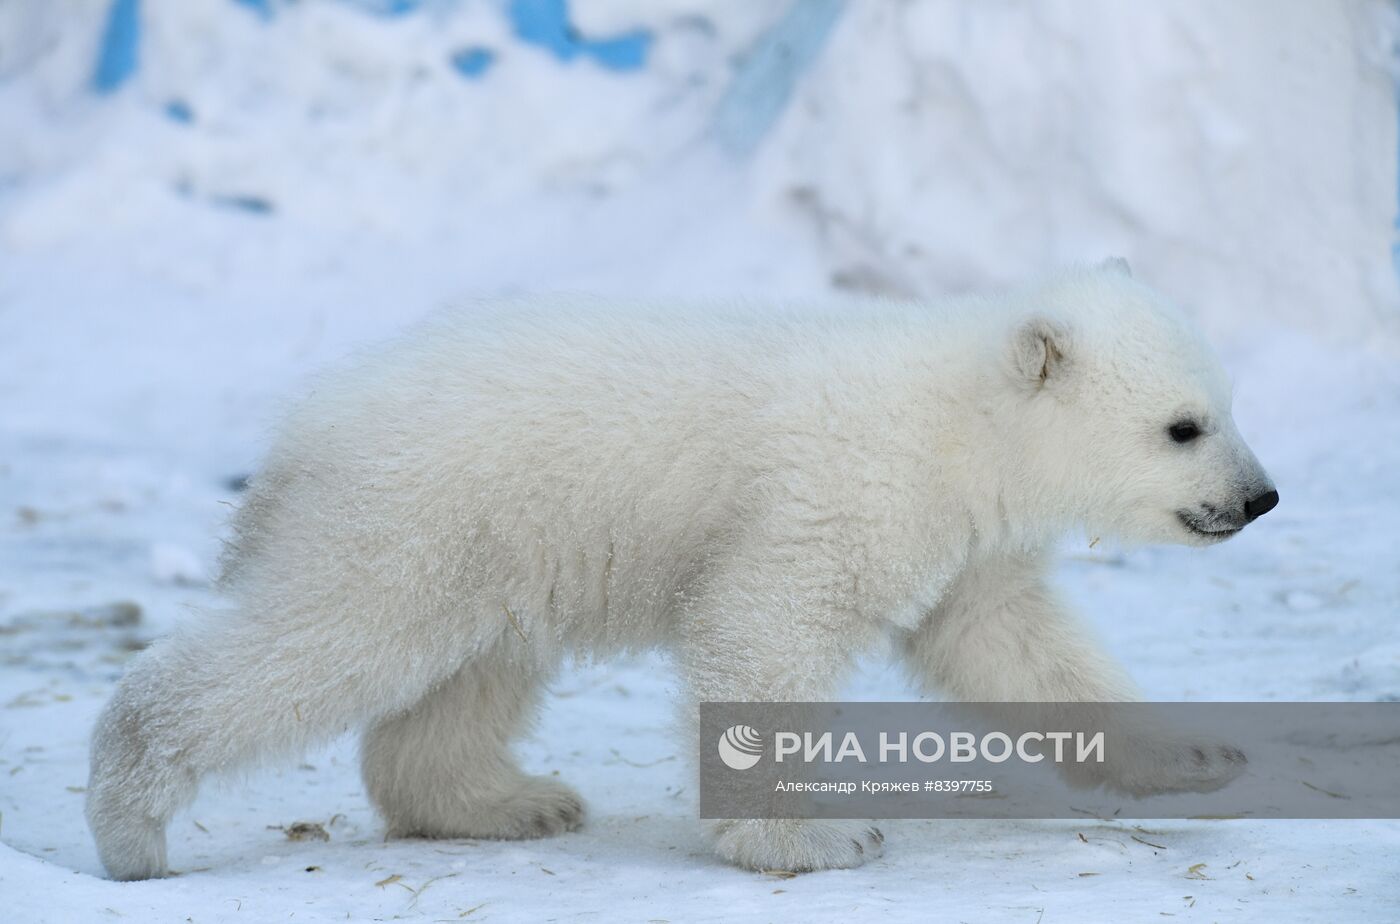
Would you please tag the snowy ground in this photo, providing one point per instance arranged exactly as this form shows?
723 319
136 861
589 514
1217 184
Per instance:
148 334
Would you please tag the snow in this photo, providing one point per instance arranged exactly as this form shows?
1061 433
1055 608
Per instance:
170 276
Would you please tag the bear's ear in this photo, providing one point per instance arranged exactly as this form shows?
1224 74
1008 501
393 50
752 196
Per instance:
1117 265
1040 351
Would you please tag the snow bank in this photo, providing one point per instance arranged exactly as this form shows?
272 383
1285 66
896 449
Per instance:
1241 154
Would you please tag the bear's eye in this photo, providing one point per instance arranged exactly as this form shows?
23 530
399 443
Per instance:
1184 431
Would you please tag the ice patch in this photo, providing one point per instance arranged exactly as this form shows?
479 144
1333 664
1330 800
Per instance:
764 82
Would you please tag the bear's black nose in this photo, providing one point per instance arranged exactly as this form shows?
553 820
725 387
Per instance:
1254 509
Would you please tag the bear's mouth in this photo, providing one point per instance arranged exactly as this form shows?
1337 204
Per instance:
1214 531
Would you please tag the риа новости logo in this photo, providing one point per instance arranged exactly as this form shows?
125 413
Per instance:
740 747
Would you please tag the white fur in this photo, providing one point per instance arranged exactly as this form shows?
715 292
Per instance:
766 492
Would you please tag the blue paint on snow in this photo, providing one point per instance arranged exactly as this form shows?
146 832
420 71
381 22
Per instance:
265 8
473 63
179 111
764 82
388 7
626 52
546 23
262 7
119 52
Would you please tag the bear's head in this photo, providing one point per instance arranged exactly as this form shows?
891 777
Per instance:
1125 412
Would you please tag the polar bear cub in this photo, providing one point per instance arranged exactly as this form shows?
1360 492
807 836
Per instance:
767 492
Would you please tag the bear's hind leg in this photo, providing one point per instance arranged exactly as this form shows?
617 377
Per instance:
444 768
220 695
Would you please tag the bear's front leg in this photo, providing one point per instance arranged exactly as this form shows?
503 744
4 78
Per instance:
763 638
1001 635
